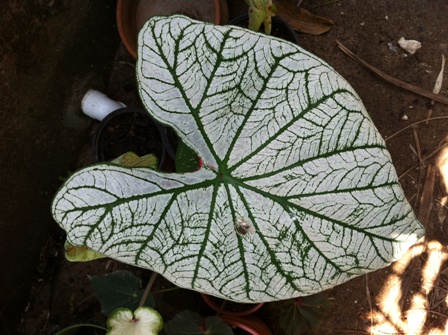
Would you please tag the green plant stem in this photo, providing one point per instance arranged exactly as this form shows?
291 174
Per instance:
221 308
165 290
126 63
148 289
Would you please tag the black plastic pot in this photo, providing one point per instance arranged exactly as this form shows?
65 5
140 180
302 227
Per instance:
280 28
83 329
129 129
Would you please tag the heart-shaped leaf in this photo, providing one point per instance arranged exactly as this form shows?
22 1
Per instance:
298 316
143 321
297 191
119 289
191 323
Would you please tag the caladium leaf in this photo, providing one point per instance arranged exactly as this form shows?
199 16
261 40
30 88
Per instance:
297 192
143 321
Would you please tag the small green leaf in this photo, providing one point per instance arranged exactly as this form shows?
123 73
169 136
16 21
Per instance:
118 289
185 322
304 314
144 321
191 323
187 160
216 326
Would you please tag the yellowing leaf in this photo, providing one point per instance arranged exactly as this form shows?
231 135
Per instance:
80 253
132 159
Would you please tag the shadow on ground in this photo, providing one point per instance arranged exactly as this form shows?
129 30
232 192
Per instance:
50 52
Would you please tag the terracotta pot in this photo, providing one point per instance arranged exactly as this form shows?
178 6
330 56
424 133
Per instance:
132 14
280 28
129 129
249 323
214 303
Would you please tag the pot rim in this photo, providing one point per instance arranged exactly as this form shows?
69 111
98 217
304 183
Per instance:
99 131
250 323
217 308
127 28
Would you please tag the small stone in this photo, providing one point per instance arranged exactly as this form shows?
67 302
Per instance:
411 46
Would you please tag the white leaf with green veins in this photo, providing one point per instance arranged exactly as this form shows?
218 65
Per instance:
142 321
297 192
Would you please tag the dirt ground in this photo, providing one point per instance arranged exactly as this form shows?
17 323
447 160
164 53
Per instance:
50 53
408 297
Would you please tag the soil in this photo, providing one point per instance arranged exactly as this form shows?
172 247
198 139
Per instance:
408 297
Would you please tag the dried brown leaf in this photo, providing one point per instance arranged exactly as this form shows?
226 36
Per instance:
301 20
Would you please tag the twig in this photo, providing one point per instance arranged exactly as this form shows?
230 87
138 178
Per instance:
148 289
415 181
420 161
426 200
350 331
414 124
169 289
411 147
392 80
122 62
430 311
412 196
441 204
326 4
419 150
416 165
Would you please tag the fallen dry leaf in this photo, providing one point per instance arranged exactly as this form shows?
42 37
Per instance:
301 20
439 80
437 85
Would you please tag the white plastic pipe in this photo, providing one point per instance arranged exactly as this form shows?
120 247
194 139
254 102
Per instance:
98 105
